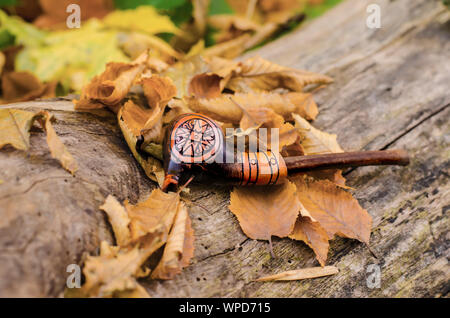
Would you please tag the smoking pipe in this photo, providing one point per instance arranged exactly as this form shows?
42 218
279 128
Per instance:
194 143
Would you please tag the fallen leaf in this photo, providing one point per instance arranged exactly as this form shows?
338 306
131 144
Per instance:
259 74
143 19
211 84
314 141
264 212
333 175
113 84
153 167
158 90
119 220
337 212
24 86
230 26
113 271
304 273
313 235
225 109
134 44
206 85
179 248
182 72
157 212
229 49
257 118
57 149
15 128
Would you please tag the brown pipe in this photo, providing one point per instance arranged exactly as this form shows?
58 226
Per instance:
345 160
194 143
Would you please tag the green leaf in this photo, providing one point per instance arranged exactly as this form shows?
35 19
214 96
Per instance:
219 7
23 32
6 38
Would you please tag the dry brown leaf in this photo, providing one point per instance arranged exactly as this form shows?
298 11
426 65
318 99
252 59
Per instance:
211 84
230 26
200 13
313 235
334 208
206 85
304 273
153 167
182 72
113 271
24 86
314 141
259 74
15 128
158 90
57 149
224 108
119 220
135 43
333 175
229 49
179 248
266 118
158 211
264 212
294 149
111 87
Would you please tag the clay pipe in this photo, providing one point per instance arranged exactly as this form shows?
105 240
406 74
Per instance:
195 143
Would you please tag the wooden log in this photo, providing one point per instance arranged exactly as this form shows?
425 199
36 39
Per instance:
390 91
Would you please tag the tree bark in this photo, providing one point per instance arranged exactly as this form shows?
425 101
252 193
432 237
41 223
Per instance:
390 91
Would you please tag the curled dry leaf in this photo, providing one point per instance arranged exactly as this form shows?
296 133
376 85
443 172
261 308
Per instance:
15 128
24 86
182 72
155 213
266 211
179 248
134 44
119 220
313 235
314 141
158 91
259 74
303 273
225 109
230 26
113 272
57 149
211 84
112 85
266 118
153 167
337 212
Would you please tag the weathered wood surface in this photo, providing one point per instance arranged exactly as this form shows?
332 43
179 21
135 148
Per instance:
390 91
